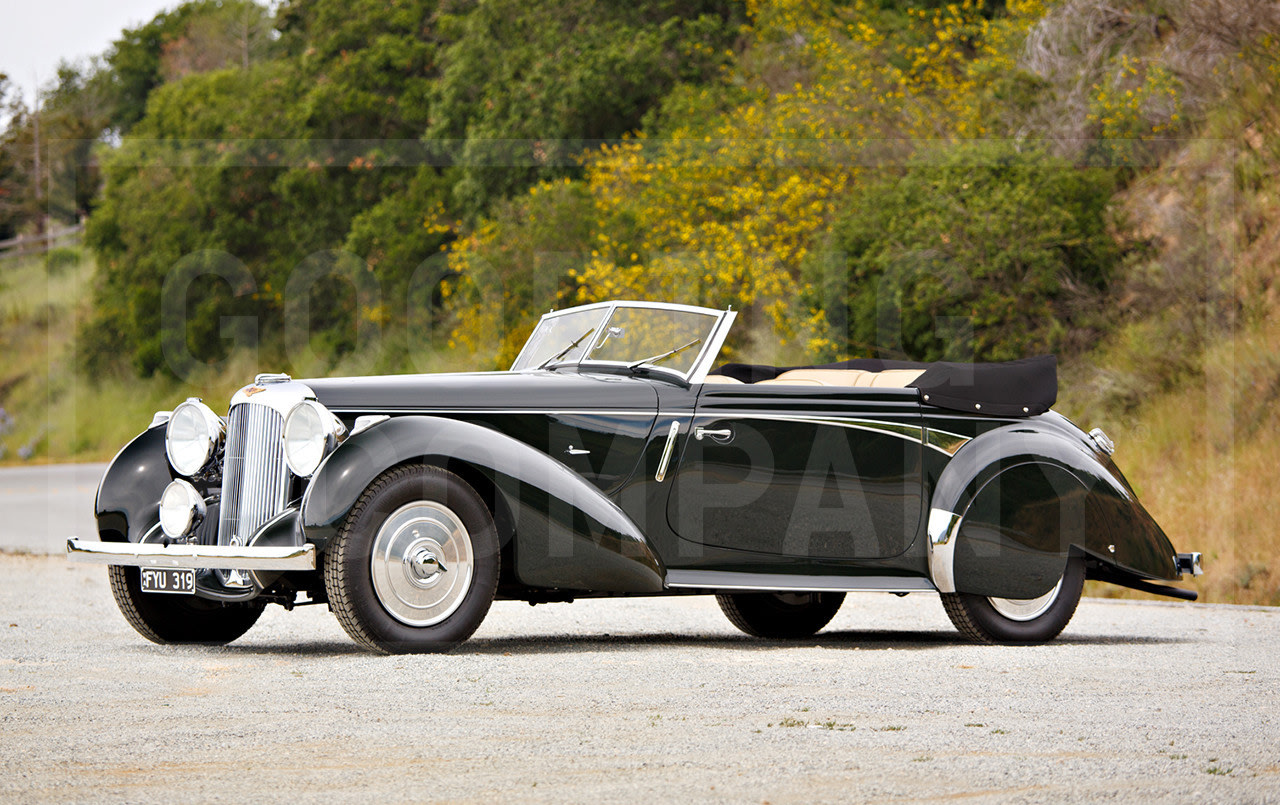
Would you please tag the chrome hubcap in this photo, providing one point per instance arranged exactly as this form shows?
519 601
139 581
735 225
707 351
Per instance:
422 563
1026 609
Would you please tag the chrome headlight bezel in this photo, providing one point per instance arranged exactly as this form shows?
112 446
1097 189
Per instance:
182 509
309 434
201 446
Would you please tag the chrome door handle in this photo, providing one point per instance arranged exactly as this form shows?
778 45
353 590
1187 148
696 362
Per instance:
722 435
667 450
576 451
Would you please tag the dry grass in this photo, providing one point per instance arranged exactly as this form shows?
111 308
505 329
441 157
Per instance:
1203 460
61 415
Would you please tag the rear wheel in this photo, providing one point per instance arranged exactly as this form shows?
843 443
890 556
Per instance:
780 615
179 619
1013 621
415 565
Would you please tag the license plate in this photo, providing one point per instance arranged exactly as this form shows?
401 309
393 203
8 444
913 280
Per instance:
168 580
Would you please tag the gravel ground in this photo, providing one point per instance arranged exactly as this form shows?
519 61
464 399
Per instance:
636 700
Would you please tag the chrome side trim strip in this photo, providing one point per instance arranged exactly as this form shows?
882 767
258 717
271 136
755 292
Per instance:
910 433
945 442
666 451
547 411
942 549
774 582
212 557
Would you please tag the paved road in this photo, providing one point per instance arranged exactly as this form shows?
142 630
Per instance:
636 700
41 506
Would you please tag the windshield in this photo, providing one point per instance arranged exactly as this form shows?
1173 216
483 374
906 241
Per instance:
634 334
639 335
554 334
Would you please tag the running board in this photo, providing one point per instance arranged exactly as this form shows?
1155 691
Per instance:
775 582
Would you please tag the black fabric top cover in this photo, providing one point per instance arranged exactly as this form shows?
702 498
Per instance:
1014 388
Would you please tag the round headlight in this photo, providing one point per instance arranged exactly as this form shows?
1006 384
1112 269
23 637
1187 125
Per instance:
181 509
310 432
192 437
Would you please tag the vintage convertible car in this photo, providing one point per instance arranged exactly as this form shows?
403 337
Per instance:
611 460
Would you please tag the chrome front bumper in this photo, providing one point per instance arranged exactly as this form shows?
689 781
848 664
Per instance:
200 557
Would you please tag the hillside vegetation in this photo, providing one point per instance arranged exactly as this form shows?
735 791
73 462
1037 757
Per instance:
378 187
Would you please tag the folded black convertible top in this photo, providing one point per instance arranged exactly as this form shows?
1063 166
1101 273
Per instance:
1013 388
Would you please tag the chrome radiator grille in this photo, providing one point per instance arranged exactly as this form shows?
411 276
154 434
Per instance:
255 479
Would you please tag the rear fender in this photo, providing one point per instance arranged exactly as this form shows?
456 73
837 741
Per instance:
567 534
1015 502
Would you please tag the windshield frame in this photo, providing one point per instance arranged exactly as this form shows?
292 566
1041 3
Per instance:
698 370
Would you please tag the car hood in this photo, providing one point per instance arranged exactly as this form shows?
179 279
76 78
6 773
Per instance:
543 390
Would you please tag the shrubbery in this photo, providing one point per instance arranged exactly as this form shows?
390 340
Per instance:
972 252
369 126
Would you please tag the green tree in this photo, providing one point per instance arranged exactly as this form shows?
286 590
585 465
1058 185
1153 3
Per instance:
195 36
982 251
524 87
15 167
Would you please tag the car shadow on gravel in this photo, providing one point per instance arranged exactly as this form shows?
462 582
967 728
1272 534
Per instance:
320 648
874 640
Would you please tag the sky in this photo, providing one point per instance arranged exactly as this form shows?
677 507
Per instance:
35 36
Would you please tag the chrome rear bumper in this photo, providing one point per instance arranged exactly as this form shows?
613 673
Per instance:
212 557
1189 563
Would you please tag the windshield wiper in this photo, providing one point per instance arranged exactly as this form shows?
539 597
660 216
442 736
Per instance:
566 350
657 359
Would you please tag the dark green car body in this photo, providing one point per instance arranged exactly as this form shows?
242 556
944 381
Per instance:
620 480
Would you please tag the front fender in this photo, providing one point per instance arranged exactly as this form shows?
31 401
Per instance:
127 503
1011 505
567 534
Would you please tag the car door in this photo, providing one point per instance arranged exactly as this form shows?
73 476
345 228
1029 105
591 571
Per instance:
801 471
596 425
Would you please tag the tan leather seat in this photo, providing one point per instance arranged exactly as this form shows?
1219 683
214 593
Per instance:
895 378
797 381
856 378
732 381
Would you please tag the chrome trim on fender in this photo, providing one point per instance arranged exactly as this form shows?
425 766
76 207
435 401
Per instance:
666 451
1103 442
942 549
212 557
945 442
362 424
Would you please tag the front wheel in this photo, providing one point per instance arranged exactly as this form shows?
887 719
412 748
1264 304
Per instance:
415 565
1013 621
780 616
176 618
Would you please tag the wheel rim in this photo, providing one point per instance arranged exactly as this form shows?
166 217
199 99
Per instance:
422 563
1026 609
794 600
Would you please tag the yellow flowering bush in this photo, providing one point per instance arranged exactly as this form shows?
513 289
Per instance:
725 207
